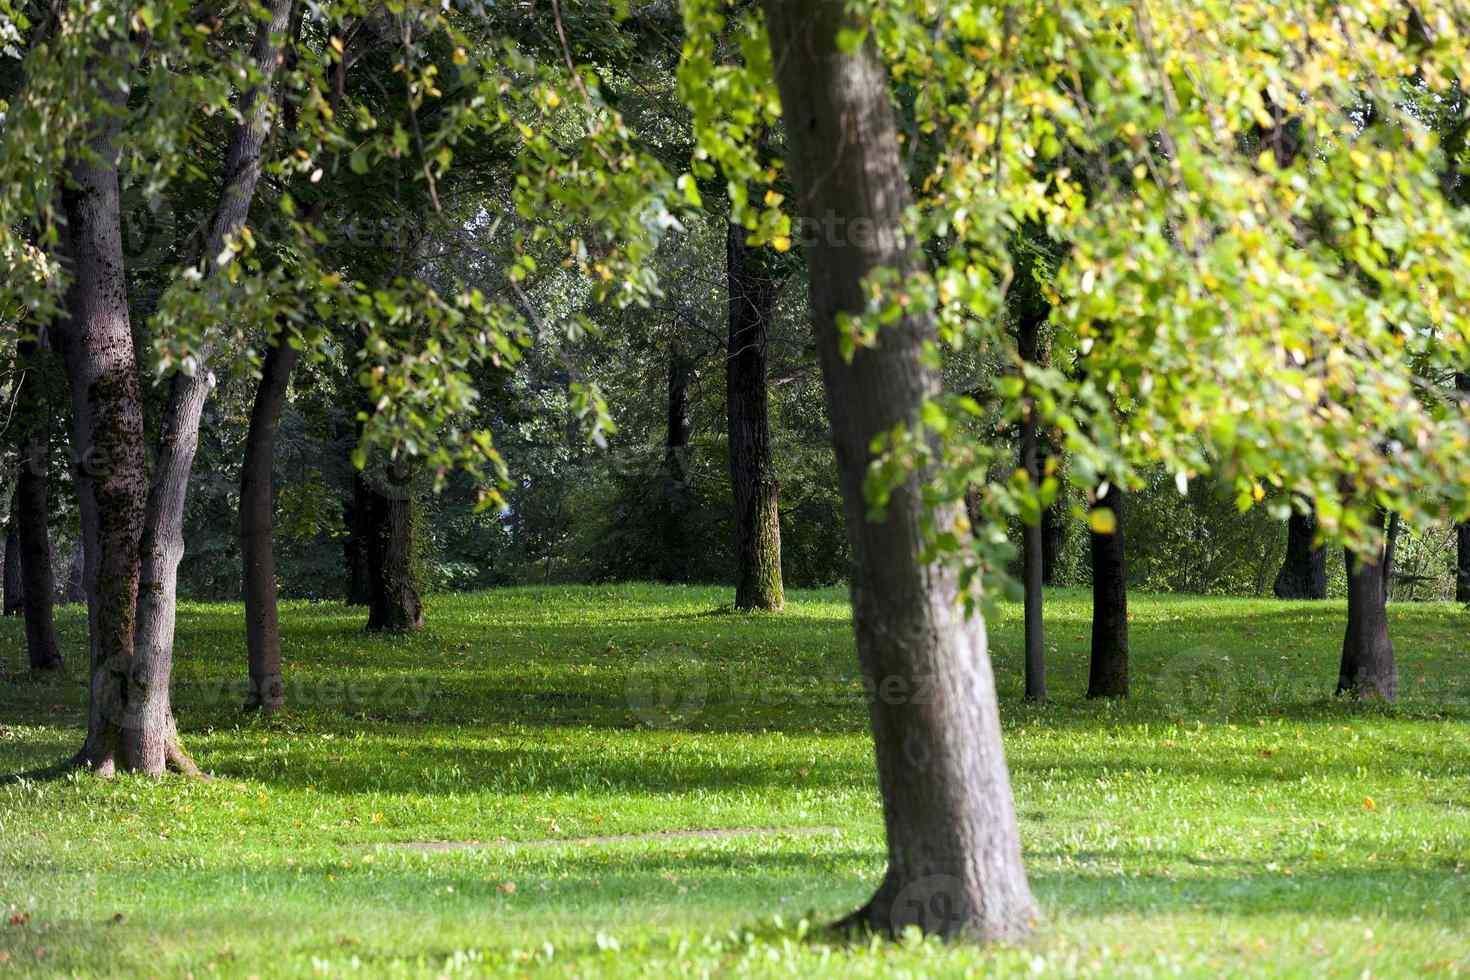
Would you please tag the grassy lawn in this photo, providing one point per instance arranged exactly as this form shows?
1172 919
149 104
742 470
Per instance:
1229 819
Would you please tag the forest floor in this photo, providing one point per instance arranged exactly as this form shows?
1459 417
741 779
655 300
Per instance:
1230 818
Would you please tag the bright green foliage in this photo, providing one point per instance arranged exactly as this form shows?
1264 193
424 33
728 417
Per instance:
1286 323
1231 818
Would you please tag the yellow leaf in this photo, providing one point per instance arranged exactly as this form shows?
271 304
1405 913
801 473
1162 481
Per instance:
1368 803
780 243
1102 520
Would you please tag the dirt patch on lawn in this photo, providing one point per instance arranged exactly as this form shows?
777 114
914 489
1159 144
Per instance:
713 834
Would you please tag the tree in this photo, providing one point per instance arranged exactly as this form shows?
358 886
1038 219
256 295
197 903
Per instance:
32 506
1368 669
954 857
752 300
14 585
1108 675
1303 572
394 602
1462 529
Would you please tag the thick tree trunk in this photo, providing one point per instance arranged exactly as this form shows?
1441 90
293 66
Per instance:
673 564
107 429
752 296
1028 330
1303 572
1368 668
257 508
38 581
954 856
394 602
14 588
1108 677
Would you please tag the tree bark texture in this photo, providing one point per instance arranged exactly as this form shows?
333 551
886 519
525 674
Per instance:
394 602
1108 677
752 298
1303 572
1368 669
954 857
257 512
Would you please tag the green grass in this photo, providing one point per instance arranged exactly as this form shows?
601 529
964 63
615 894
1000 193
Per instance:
1231 818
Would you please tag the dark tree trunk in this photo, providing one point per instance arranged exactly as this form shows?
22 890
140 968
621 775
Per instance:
394 603
1462 562
107 429
257 509
1303 572
14 588
1053 539
1028 329
1462 530
1390 545
954 856
1368 668
1108 677
32 507
752 475
673 563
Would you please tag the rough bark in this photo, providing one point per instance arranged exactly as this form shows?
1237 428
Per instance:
1303 572
1368 669
673 563
752 298
257 510
107 428
1028 330
394 602
38 581
14 589
1108 676
954 857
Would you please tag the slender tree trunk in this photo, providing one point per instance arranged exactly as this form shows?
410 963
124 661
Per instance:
38 582
14 587
394 604
1109 673
107 428
1462 530
1368 668
1028 330
76 582
954 856
1303 572
752 475
257 510
674 562
1390 546
1053 539
355 544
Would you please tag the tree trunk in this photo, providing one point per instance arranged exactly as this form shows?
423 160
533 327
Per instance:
107 428
1303 572
76 582
1109 672
954 856
673 565
394 602
257 509
38 581
14 587
1053 539
752 476
355 545
1390 545
1028 329
1368 668
1462 530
